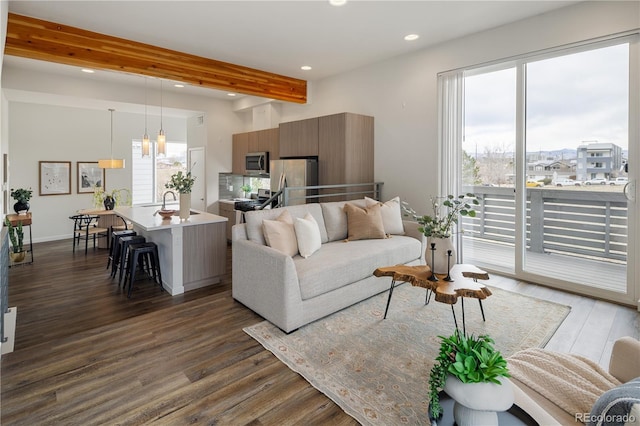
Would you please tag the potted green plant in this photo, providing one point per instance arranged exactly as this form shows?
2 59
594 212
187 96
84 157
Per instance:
465 359
16 236
438 228
22 196
246 189
183 183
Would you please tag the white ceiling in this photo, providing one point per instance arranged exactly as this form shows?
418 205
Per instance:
278 36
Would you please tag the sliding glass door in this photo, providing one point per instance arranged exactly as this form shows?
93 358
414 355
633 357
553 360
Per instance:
546 147
489 167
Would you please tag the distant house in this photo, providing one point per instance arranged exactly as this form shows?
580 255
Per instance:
598 160
550 169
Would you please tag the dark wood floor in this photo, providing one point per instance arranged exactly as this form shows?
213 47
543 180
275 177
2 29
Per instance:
87 355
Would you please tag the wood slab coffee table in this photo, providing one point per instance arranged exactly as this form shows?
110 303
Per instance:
463 283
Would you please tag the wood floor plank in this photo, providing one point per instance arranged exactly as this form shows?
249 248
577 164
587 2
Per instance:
85 354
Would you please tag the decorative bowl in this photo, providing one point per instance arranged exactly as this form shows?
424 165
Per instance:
166 214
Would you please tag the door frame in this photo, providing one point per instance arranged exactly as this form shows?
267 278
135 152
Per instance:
198 201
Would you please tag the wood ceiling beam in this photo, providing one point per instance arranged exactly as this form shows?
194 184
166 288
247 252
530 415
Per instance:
48 41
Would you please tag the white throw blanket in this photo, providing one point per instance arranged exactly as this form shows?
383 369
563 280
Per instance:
572 382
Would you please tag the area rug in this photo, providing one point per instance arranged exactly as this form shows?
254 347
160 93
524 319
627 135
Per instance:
377 369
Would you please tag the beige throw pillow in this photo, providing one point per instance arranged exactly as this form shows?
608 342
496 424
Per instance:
391 215
280 234
308 235
363 224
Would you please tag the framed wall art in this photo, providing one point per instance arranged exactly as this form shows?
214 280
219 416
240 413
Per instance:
89 176
55 177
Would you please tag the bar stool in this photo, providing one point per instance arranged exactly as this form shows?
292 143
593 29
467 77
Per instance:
143 253
119 262
114 248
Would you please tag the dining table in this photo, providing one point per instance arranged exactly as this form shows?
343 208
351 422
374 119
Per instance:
106 219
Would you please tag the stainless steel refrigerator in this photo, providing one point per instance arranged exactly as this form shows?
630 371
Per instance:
294 173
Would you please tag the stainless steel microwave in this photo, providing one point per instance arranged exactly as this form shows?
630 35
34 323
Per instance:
257 163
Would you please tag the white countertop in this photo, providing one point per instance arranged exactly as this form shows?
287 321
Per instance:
144 218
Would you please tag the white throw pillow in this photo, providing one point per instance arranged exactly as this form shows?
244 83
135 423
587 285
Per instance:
280 234
391 215
308 235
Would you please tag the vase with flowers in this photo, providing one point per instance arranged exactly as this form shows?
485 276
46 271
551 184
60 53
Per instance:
183 183
439 227
110 200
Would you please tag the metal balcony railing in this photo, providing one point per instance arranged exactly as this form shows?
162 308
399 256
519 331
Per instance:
320 193
573 222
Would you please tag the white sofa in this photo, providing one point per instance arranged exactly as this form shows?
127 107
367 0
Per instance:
291 291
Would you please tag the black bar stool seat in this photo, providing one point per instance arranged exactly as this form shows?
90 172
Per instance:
114 248
119 264
146 255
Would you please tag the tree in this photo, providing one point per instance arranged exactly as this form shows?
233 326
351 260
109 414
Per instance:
470 170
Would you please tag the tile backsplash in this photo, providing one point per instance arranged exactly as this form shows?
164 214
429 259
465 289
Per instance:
229 185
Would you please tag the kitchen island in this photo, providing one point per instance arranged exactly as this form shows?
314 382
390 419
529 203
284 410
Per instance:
193 252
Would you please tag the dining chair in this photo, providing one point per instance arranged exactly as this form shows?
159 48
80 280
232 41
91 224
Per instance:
85 227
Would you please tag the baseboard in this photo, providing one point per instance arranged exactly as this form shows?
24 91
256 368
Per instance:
9 330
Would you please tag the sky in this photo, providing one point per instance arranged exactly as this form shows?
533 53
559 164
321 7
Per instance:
571 100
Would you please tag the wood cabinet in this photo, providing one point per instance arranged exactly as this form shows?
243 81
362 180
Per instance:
346 149
227 210
240 149
267 140
299 138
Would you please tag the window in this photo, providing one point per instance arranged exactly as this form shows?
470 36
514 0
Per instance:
570 108
149 174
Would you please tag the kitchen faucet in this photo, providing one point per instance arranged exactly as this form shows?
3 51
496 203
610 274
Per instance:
164 198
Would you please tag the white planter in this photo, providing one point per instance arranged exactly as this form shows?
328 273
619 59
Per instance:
440 256
185 206
478 403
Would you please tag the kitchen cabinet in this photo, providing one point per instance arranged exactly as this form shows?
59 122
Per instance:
226 209
346 150
299 138
267 140
239 150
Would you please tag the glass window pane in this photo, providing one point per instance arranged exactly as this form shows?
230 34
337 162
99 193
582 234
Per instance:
175 160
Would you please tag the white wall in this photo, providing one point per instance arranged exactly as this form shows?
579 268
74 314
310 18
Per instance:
4 139
401 93
55 133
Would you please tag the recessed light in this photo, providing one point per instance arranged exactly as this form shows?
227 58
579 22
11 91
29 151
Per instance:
87 70
178 85
305 67
231 94
337 2
411 37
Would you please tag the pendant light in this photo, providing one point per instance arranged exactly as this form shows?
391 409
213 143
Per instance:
111 163
145 139
162 139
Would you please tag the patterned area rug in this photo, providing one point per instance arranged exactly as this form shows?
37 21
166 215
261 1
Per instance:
377 370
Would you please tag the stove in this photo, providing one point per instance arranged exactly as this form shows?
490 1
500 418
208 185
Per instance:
245 206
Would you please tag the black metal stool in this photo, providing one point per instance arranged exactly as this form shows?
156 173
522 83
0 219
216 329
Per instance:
119 262
114 248
143 254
